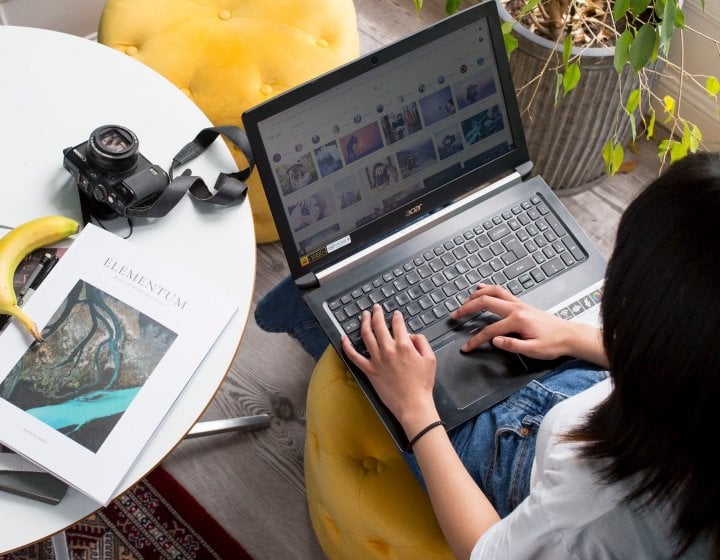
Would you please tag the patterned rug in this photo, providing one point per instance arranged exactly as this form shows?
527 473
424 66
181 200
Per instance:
157 519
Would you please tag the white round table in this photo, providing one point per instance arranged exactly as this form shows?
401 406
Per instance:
54 90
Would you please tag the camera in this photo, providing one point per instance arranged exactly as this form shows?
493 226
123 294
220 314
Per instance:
116 179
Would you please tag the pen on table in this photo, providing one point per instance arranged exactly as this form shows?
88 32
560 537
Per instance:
47 267
32 280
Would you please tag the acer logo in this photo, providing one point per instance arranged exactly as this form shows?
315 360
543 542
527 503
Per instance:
413 210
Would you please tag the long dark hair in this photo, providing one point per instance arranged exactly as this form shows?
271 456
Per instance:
661 330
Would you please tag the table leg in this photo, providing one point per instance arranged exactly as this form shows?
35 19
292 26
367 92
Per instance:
242 424
60 546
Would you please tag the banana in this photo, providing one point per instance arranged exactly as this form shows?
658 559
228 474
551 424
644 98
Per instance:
15 246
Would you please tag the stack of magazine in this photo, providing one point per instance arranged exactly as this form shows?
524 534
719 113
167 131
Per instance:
124 331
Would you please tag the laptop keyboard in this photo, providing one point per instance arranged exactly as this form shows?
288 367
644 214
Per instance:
519 248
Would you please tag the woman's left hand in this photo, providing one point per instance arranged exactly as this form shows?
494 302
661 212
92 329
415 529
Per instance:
401 368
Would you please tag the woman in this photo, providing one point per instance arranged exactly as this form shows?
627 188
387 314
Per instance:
622 469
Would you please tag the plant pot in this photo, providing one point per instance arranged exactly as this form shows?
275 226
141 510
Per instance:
565 141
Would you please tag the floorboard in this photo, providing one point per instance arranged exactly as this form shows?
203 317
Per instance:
252 483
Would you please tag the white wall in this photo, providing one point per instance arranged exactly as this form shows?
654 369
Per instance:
700 57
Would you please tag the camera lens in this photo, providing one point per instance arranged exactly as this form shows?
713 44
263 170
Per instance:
113 148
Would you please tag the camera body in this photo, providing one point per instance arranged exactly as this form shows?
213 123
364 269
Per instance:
114 176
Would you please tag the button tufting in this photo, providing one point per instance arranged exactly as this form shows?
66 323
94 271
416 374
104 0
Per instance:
186 91
132 50
370 463
224 14
321 43
266 89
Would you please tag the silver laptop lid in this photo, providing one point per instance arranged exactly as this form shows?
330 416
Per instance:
361 152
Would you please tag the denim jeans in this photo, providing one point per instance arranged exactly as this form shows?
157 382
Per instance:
497 447
283 309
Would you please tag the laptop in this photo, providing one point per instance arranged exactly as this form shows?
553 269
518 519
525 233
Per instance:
403 178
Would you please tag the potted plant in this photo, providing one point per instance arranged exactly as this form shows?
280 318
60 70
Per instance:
585 73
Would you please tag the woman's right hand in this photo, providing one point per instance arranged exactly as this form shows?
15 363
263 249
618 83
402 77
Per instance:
536 333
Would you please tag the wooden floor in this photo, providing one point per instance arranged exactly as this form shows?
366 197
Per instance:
253 483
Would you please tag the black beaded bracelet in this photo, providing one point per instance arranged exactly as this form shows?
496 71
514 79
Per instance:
421 433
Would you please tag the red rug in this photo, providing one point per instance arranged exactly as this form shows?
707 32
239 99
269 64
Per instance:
157 519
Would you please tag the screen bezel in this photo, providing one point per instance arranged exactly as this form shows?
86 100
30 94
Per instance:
380 228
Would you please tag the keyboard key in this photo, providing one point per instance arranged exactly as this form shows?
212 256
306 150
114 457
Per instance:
413 309
415 292
499 232
424 271
426 286
351 325
514 287
567 258
376 296
573 248
351 309
519 267
553 266
425 302
390 305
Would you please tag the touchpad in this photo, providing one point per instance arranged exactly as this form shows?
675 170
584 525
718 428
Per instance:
468 377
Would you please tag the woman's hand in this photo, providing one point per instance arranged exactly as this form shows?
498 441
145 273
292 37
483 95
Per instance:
401 368
541 335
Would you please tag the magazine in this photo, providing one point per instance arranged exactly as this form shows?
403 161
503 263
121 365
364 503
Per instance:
123 334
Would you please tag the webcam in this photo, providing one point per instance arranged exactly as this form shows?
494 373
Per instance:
374 60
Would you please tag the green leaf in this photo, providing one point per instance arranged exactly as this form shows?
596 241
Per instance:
637 7
712 86
667 25
558 85
694 137
511 42
418 5
659 7
529 7
686 136
622 50
677 151
669 104
633 127
567 48
619 9
633 101
641 48
607 152
571 78
613 155
679 18
651 124
451 6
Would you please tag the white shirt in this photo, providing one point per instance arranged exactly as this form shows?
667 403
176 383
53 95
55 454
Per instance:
568 514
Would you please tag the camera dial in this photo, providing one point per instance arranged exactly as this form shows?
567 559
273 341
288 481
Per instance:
113 148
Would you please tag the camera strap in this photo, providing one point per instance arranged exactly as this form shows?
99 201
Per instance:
230 188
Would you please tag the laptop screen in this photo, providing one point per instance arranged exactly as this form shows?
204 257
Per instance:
362 150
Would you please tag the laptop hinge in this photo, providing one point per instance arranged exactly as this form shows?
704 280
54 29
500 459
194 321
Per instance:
421 225
307 281
524 169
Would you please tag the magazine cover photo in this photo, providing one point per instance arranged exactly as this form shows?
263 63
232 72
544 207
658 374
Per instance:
97 354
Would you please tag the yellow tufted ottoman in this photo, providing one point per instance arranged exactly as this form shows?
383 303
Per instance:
364 501
228 55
